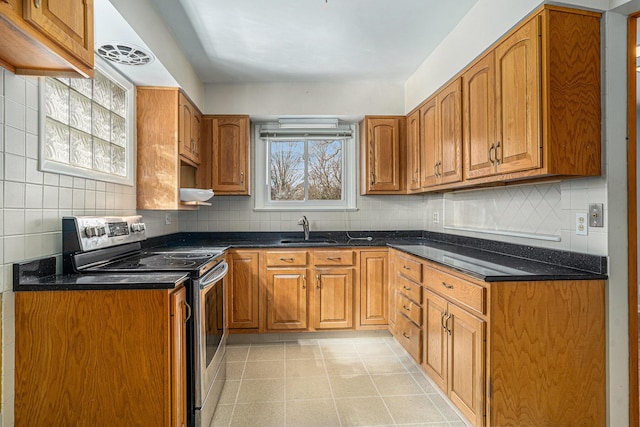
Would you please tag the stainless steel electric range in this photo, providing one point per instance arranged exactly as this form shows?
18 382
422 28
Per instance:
114 245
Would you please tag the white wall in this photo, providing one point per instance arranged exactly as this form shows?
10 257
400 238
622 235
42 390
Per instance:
352 100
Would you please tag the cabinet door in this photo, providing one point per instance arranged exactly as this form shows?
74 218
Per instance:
429 142
383 145
479 118
287 299
466 363
413 151
243 294
518 100
374 288
178 358
185 124
230 155
449 164
68 23
333 298
435 339
196 123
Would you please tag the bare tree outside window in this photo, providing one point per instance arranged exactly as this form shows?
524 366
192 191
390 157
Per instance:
325 170
316 163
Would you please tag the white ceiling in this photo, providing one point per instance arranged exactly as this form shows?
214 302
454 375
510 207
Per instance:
249 41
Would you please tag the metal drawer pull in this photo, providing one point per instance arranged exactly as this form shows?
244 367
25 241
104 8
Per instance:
286 259
407 288
404 334
447 286
304 282
36 3
334 258
317 281
406 268
406 308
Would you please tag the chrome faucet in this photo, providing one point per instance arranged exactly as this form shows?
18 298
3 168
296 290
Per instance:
304 222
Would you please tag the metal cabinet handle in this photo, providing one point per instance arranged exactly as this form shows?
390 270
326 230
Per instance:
439 167
498 158
435 169
406 268
447 286
304 282
490 152
406 308
444 328
446 324
317 281
407 288
415 176
36 3
404 334
188 307
241 177
334 258
373 179
286 259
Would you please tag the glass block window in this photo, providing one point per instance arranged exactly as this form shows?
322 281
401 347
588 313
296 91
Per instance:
86 126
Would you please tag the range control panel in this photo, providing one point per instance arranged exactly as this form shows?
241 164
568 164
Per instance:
92 232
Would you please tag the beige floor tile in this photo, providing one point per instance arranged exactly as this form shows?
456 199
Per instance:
396 385
384 365
308 413
258 414
413 409
333 350
266 352
374 349
222 416
352 386
305 368
308 388
368 411
235 370
301 351
237 353
264 369
269 390
345 366
445 407
425 384
229 392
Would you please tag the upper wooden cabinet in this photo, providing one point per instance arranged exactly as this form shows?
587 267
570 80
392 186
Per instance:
382 151
47 37
413 152
163 168
189 119
228 140
441 137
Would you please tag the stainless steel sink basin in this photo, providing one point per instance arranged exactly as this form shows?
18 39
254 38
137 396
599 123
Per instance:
310 242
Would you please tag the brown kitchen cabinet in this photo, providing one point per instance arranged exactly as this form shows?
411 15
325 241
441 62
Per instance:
413 152
333 298
189 119
374 288
47 37
528 111
75 349
441 137
243 290
383 157
162 166
228 139
287 296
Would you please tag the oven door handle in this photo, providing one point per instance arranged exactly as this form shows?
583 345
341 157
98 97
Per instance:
214 275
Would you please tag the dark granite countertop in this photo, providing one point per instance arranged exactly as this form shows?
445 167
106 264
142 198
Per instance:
40 275
486 260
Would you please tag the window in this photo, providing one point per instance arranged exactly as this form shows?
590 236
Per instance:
305 169
86 126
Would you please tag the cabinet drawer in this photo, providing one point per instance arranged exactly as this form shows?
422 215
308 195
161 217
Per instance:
411 290
286 258
340 257
409 268
410 336
410 309
458 290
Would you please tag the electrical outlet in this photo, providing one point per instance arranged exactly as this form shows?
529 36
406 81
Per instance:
582 224
436 217
167 218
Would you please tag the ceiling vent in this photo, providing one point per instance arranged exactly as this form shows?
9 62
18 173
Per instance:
125 53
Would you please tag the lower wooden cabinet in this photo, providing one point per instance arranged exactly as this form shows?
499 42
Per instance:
243 290
374 288
100 358
333 298
286 299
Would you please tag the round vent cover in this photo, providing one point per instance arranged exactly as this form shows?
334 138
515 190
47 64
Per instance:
125 53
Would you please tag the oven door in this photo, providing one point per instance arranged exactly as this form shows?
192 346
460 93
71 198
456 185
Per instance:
209 341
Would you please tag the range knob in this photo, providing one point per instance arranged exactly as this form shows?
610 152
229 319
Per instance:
101 231
137 227
91 231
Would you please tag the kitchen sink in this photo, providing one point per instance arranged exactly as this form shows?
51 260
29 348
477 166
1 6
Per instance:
310 242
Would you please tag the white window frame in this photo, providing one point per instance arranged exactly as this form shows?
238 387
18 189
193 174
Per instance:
262 200
47 165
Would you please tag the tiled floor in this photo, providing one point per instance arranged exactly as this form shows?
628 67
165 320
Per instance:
329 382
